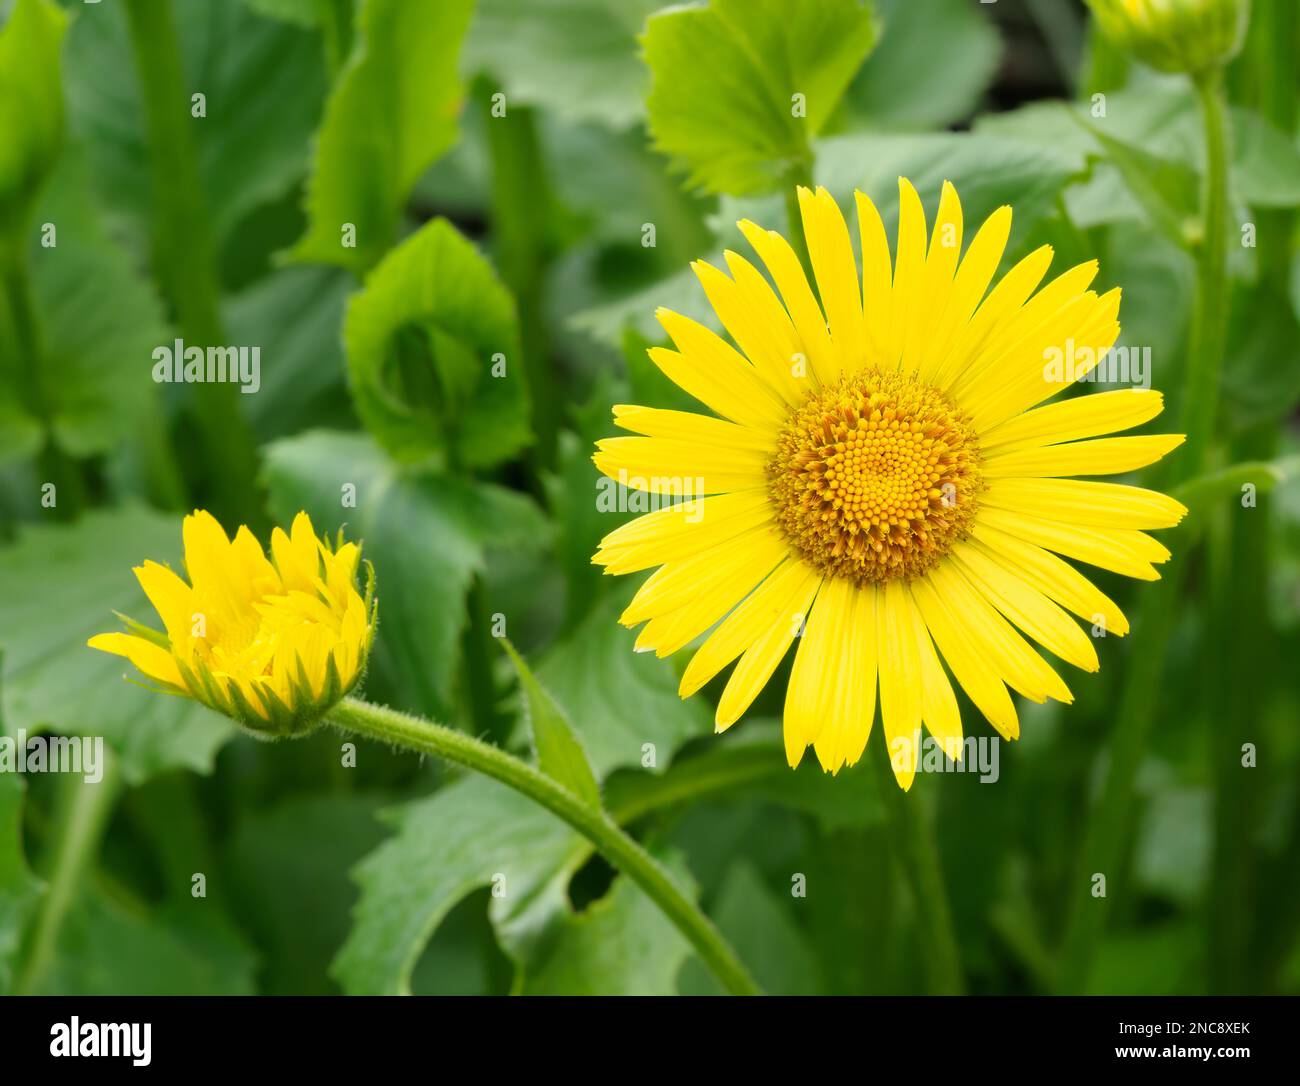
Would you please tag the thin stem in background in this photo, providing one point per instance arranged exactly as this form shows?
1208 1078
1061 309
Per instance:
799 173
1239 562
521 195
82 815
1110 825
479 649
399 729
911 839
184 254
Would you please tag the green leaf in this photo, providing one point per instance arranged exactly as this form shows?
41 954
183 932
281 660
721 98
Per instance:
620 945
740 88
303 376
470 834
1168 191
1158 960
301 850
577 59
987 172
59 585
31 106
305 13
20 890
433 352
249 154
100 321
608 322
1156 121
623 704
749 761
559 751
920 78
110 947
391 112
1262 371
1174 844
426 535
757 922
1201 494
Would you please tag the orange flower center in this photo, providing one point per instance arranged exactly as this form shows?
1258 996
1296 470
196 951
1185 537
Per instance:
876 477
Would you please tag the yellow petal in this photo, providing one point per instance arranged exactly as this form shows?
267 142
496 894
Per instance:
1078 501
688 426
1082 416
1004 299
682 529
937 281
748 558
151 659
788 275
979 623
901 681
681 469
809 696
171 597
1100 456
877 278
767 650
906 298
973 277
831 254
852 663
1121 550
716 374
967 659
1055 579
1027 607
756 320
781 600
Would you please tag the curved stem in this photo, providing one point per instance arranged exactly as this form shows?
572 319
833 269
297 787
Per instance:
1109 828
399 729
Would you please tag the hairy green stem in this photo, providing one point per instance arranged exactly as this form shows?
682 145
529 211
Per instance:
912 840
184 252
81 818
1110 824
399 729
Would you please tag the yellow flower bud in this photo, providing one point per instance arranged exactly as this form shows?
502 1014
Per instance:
1176 35
273 643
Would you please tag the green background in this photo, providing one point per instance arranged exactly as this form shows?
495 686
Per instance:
527 235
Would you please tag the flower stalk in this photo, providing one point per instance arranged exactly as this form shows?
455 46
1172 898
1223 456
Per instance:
425 737
1111 824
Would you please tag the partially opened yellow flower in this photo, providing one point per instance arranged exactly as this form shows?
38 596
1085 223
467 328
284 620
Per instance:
883 482
274 643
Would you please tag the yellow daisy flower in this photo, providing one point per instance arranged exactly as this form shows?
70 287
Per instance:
273 643
882 482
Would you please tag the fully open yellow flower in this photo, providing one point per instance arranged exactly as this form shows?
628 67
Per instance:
883 482
272 643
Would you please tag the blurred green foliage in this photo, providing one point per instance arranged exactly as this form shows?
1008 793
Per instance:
531 180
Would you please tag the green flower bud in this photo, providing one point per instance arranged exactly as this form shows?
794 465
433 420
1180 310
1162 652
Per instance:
1176 35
